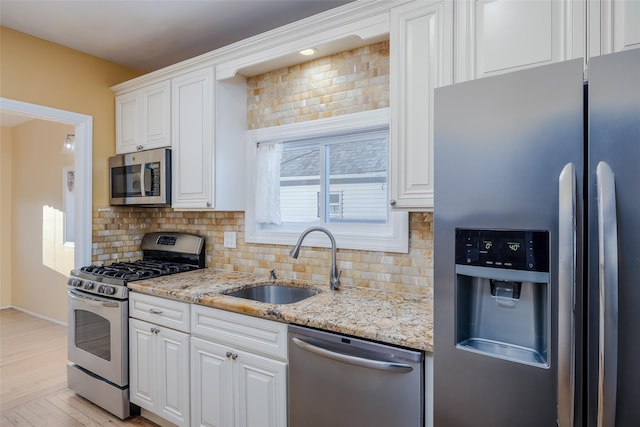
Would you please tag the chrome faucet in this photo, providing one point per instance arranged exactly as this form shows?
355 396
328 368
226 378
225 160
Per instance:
334 282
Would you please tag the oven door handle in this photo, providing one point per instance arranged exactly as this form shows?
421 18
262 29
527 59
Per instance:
92 301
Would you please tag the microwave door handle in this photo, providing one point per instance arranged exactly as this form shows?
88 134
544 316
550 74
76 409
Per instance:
608 290
143 184
566 295
147 182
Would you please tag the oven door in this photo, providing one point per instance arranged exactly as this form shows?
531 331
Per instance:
98 335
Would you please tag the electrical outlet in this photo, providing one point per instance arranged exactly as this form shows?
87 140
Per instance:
230 239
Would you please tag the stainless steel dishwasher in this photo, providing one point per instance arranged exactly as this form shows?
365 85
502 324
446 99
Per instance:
337 381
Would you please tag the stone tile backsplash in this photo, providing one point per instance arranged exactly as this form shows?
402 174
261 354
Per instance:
117 232
348 82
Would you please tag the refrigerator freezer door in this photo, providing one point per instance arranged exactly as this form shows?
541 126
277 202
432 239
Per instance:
614 155
501 144
567 269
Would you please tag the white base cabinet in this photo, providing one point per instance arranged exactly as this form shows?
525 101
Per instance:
238 370
159 364
159 357
231 387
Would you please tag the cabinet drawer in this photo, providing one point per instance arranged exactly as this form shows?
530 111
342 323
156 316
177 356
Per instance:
241 331
161 311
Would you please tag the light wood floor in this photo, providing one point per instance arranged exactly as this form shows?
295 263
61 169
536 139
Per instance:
33 378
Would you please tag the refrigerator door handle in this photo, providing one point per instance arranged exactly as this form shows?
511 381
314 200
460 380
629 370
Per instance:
608 288
566 294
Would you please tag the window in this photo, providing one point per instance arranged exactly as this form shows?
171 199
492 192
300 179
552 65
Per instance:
342 178
330 172
336 209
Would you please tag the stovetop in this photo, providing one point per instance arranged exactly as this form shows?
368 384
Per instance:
136 270
163 254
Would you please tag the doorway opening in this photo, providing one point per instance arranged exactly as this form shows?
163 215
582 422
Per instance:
83 167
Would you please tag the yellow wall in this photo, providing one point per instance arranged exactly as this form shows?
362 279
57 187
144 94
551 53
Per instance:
5 216
41 262
43 73
39 72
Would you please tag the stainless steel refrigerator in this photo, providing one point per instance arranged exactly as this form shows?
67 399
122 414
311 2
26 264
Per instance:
537 247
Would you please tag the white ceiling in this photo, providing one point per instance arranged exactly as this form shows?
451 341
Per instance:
147 35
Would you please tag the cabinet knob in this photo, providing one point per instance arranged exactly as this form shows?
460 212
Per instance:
229 354
234 356
392 202
139 147
208 204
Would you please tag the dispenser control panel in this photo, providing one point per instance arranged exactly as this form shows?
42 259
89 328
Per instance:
512 249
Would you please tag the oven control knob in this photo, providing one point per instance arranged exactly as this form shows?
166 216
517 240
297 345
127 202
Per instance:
108 290
88 285
74 281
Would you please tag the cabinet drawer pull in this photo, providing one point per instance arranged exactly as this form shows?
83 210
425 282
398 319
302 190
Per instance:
155 311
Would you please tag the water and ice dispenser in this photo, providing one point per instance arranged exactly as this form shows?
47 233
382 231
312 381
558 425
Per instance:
502 294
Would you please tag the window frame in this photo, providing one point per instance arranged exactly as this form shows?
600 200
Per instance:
390 237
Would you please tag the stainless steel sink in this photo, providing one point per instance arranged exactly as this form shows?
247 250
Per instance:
274 293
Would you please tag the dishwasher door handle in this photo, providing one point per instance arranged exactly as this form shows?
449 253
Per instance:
353 360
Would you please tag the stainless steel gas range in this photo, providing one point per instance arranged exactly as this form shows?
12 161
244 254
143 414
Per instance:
98 342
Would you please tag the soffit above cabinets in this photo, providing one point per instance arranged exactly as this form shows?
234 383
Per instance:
353 25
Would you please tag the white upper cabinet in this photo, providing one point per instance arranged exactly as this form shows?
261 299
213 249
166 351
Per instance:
208 123
143 118
498 36
192 130
614 26
420 60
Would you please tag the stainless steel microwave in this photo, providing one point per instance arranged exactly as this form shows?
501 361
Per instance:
141 178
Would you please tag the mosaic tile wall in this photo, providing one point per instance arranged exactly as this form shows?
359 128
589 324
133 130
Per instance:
348 82
344 83
117 232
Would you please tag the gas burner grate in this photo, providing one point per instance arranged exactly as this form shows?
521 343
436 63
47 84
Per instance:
137 270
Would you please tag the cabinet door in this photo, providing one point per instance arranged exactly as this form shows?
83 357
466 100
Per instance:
155 103
211 385
498 36
173 375
192 136
142 364
614 26
127 122
261 391
421 58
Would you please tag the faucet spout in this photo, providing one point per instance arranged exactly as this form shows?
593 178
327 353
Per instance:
334 281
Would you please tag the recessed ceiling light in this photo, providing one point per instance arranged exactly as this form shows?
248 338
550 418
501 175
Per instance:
308 52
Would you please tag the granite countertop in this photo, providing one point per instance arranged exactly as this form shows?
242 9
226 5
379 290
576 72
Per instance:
400 319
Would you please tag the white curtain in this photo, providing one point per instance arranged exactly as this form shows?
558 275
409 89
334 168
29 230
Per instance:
268 183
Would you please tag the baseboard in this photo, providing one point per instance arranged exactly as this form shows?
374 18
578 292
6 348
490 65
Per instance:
38 315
